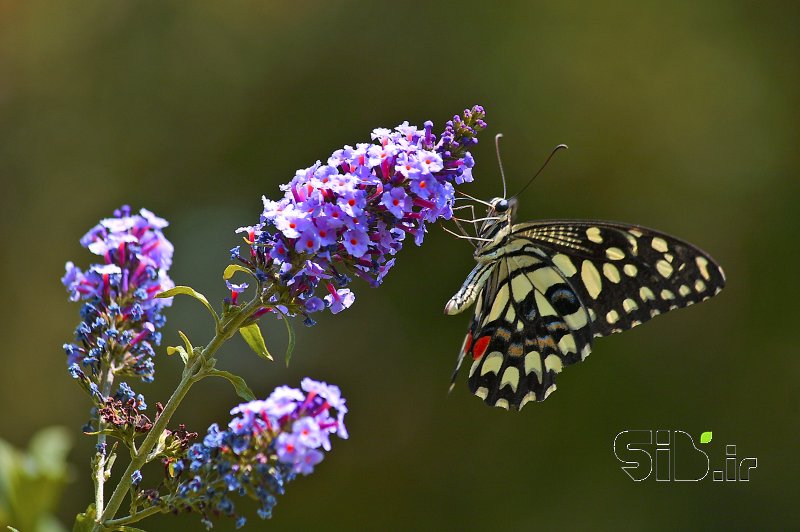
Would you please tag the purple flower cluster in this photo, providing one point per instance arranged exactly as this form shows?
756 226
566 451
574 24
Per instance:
350 215
120 314
266 444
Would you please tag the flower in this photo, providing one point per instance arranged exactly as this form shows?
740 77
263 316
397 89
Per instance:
266 444
350 215
235 289
120 313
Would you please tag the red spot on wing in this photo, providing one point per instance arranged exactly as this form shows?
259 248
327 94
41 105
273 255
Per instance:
480 347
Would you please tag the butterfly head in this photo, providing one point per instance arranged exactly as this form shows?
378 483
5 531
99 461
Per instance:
502 207
500 214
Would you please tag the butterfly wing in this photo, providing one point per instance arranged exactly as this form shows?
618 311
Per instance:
556 284
625 274
529 323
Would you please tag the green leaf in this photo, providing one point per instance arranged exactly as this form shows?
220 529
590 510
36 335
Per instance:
242 389
233 268
705 437
252 335
189 291
84 522
186 353
180 350
290 331
186 342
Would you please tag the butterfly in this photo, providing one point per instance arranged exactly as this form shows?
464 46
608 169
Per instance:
544 290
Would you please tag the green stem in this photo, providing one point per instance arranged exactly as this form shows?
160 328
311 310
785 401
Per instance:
138 516
189 377
100 472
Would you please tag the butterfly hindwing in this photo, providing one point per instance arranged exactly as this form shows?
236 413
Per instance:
528 325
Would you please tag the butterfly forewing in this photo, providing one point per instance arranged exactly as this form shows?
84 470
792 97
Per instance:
625 274
553 285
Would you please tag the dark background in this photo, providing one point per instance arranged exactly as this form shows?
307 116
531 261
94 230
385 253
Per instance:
682 117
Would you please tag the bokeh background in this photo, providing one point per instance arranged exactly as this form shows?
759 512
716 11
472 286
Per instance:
681 116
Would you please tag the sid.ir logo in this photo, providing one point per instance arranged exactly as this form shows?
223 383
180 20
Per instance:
675 457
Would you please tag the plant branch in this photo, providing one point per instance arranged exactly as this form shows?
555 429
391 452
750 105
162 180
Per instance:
197 365
138 516
100 466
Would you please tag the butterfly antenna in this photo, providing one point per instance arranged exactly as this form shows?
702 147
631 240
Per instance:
500 160
552 153
473 198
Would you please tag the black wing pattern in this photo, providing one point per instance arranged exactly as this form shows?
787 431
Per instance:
557 284
626 274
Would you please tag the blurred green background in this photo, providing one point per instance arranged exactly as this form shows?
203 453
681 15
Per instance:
679 116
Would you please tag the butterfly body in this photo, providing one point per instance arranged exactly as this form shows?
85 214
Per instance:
544 290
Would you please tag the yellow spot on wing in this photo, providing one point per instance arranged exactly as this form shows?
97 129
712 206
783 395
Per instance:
611 272
593 234
645 294
630 270
567 344
659 244
564 264
520 286
492 363
702 263
475 365
629 305
511 314
545 308
499 304
664 268
612 316
510 376
530 396
553 363
533 363
502 403
577 319
591 279
544 278
550 390
587 349
615 254
523 261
